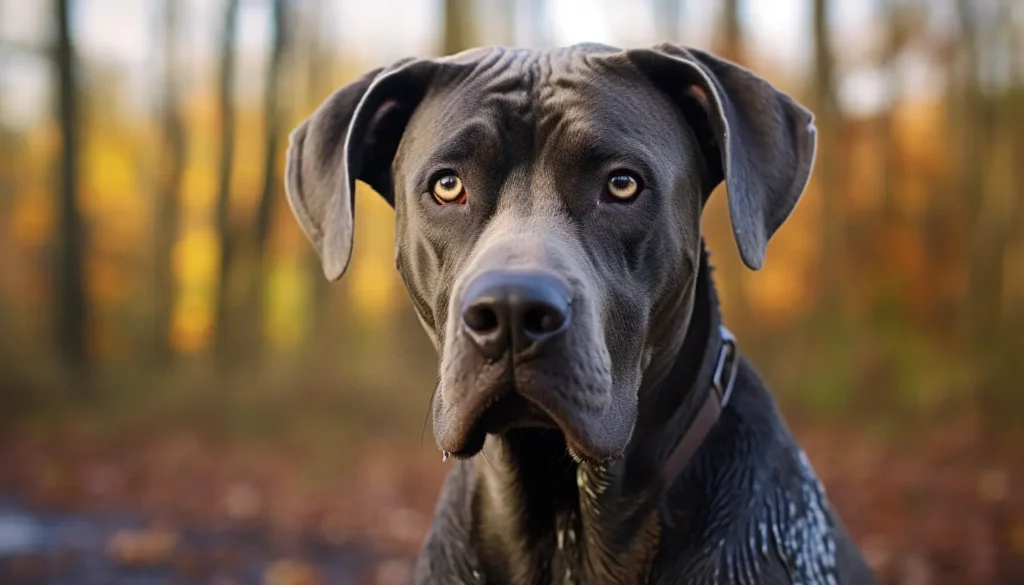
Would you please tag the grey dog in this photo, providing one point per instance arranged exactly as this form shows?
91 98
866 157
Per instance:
548 209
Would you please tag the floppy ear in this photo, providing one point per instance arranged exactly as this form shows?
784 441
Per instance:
756 138
352 135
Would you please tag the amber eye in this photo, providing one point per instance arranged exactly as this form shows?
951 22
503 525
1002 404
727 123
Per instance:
448 189
623 186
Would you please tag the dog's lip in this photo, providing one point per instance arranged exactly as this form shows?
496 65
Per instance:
509 409
504 411
571 431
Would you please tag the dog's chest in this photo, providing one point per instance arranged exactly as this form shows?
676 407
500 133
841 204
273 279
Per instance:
584 555
610 538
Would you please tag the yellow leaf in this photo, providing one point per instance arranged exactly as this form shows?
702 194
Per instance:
286 306
31 220
196 257
192 322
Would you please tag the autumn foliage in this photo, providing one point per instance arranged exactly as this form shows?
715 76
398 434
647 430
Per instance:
221 387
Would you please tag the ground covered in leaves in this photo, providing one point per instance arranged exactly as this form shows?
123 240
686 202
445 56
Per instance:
946 507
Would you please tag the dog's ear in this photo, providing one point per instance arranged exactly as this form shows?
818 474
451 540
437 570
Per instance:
353 135
756 138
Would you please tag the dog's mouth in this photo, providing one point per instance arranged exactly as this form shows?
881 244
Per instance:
504 412
511 410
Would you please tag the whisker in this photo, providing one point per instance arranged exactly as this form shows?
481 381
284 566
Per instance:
430 408
484 453
567 458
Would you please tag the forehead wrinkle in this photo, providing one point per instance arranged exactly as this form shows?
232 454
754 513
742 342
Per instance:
594 149
496 98
465 143
584 112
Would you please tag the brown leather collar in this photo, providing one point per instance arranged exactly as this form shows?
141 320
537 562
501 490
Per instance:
723 377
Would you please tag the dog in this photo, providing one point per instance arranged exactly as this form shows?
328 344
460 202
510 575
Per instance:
548 230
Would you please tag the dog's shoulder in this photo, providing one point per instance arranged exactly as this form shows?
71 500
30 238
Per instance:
751 508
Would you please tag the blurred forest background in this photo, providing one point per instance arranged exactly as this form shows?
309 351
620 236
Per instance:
171 353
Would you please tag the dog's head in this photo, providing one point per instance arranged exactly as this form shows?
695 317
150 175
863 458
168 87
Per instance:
548 216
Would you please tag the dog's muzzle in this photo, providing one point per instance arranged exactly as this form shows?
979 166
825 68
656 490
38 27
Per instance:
525 349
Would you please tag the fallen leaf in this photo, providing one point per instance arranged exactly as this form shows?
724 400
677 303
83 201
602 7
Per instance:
994 485
242 502
394 572
142 547
1017 538
915 570
290 572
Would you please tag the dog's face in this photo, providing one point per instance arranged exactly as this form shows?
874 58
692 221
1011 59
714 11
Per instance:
548 216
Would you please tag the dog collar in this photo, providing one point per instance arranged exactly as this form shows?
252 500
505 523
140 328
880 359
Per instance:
723 379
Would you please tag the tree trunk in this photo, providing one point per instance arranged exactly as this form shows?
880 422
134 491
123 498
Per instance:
227 155
667 20
827 165
888 152
459 26
987 218
316 60
168 211
1003 208
507 16
270 192
534 27
70 314
730 35
1014 117
272 122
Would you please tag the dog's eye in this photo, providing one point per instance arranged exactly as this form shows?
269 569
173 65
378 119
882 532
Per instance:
623 186
448 189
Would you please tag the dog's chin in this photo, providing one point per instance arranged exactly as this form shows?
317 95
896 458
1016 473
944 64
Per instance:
586 440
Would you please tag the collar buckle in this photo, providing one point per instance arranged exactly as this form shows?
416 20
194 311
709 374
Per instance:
727 364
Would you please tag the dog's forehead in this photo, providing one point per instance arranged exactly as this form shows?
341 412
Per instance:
586 93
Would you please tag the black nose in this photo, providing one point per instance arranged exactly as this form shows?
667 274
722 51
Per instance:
515 310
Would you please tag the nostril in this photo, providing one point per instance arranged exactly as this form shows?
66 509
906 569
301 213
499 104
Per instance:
543 319
481 319
514 310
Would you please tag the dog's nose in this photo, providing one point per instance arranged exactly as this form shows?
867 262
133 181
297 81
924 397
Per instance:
514 310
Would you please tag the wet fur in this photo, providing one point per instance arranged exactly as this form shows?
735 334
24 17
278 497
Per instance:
749 509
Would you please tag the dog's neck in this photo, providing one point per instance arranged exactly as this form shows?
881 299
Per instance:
538 512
